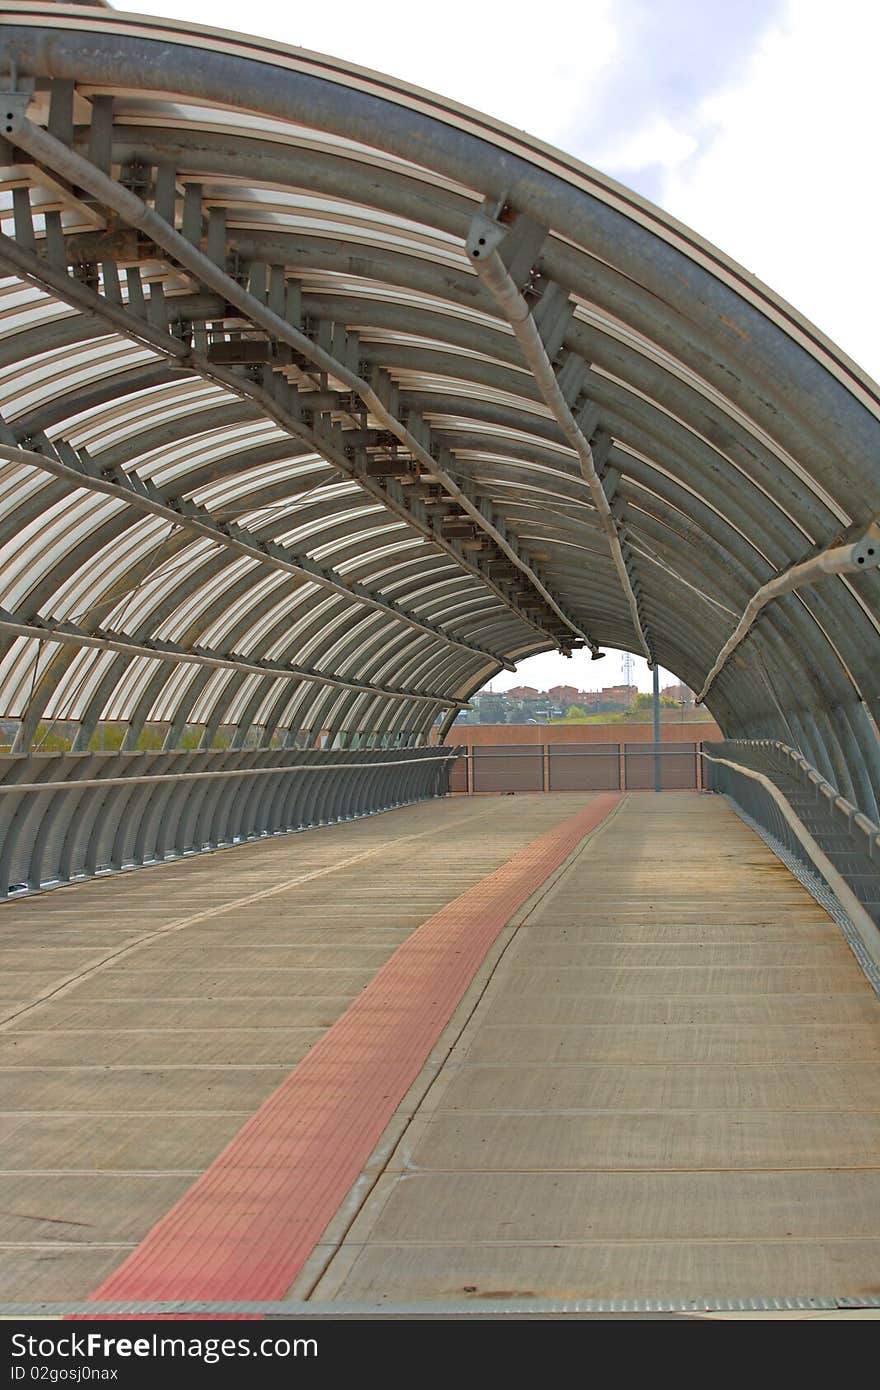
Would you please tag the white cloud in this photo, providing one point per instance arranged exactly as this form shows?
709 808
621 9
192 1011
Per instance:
787 181
659 142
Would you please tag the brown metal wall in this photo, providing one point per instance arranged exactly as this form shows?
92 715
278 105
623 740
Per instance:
582 767
679 769
537 767
515 768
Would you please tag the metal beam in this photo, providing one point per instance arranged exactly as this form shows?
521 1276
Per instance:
49 151
144 496
485 237
68 634
853 558
30 267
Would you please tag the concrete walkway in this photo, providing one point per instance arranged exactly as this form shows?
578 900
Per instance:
669 1087
662 1081
146 1017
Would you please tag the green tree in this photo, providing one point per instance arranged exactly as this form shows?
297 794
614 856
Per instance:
493 711
644 703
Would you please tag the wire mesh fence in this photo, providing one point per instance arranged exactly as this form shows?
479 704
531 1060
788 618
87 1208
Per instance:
779 790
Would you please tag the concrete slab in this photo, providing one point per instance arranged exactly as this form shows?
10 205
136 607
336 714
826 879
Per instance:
146 1046
565 931
459 1207
148 1015
635 1010
677 1042
722 1269
147 1091
661 1140
669 1088
692 980
55 1272
136 981
83 1208
105 1015
607 955
586 1086
117 1143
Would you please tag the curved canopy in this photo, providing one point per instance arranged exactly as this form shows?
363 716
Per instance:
275 458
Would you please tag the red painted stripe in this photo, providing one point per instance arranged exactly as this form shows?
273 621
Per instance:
246 1227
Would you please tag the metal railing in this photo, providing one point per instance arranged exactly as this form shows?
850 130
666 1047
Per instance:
784 796
70 816
545 767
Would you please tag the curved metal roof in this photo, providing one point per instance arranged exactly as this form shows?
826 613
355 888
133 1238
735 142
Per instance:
275 457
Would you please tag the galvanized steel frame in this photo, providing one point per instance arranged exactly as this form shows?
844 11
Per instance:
734 441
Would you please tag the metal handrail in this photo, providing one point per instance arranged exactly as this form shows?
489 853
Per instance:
633 750
813 780
74 784
768 808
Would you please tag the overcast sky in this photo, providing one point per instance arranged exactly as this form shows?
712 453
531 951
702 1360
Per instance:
753 121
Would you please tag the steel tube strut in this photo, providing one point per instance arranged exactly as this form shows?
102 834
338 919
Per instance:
28 267
859 555
484 237
199 521
69 635
49 151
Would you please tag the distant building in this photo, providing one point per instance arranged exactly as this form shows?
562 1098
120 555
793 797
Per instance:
680 693
621 696
564 695
524 692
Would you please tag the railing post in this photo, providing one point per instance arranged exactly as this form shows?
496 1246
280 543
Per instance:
658 762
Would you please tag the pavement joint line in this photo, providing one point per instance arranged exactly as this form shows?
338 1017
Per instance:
126 1032
99 1173
220 908
323 1122
414 1172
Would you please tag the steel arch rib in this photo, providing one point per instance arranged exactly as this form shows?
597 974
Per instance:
733 441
